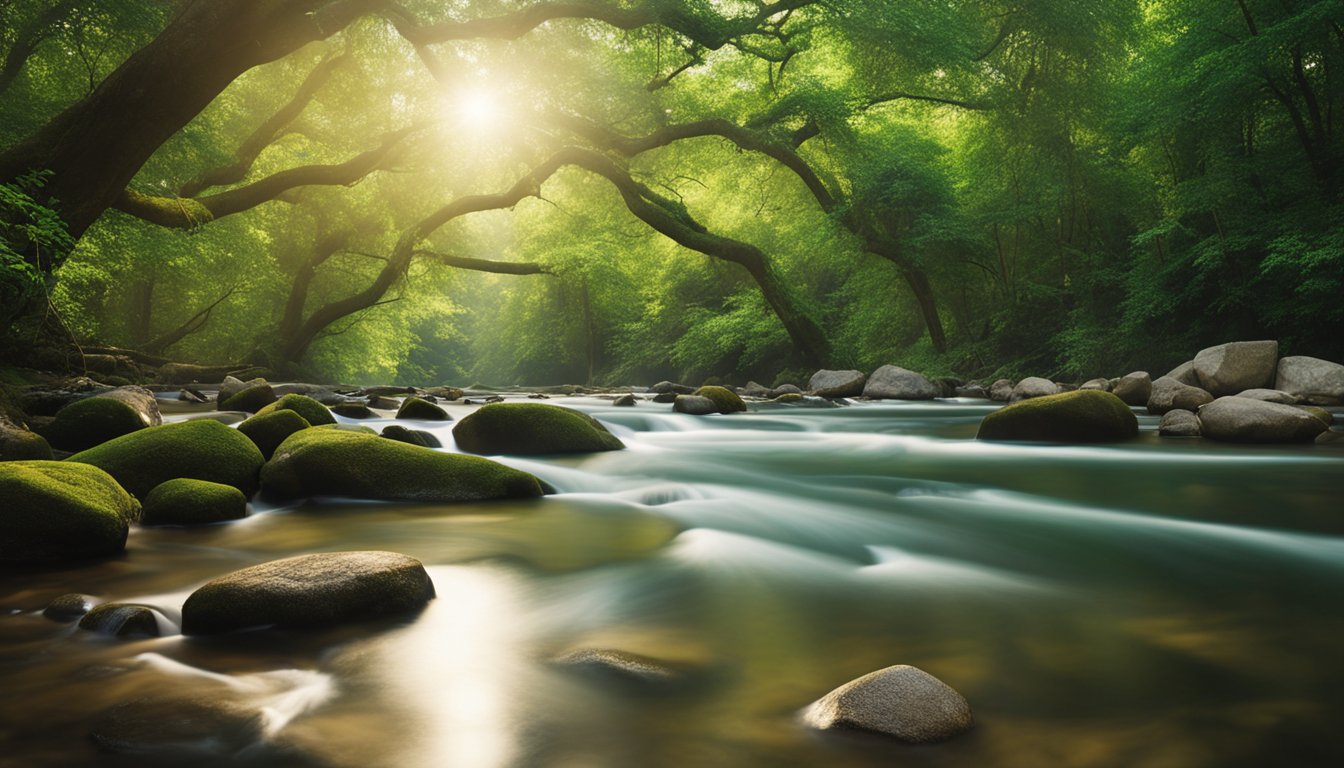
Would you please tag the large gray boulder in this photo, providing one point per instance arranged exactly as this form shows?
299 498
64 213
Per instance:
1179 423
695 405
894 383
1269 396
1185 373
1033 386
1320 382
901 701
309 591
1134 388
836 383
1169 394
1239 365
1001 391
1242 420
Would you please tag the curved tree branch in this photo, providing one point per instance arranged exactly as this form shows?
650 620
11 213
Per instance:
187 213
486 265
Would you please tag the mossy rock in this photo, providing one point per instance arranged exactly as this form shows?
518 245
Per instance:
415 408
1082 416
269 430
202 449
309 591
95 420
311 410
56 511
252 399
327 461
18 444
413 436
725 400
184 501
353 411
532 428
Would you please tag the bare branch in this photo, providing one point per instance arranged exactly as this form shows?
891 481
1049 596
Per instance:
485 265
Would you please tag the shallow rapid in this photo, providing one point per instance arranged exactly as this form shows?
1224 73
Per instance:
1150 604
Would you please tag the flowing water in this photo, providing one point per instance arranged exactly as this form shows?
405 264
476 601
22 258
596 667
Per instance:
1161 603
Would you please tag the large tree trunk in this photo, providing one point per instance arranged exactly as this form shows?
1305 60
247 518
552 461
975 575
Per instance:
96 146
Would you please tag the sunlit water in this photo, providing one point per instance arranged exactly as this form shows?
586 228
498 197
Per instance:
1158 604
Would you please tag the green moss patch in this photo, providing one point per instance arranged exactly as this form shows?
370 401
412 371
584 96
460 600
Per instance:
415 408
311 410
532 428
338 462
202 449
54 510
93 421
1084 416
269 430
252 399
184 501
724 399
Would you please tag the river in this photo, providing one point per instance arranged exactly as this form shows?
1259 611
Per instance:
1154 604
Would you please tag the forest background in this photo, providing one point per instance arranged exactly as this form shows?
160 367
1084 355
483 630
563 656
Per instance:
621 192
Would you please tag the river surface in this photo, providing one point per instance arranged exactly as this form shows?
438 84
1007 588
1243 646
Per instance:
1156 604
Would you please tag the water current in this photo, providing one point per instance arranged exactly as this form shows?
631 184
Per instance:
1154 604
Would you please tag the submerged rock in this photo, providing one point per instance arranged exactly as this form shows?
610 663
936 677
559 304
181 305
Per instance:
618 665
1083 416
202 449
54 510
326 461
1179 423
184 501
532 428
836 383
268 430
69 607
198 726
901 701
724 399
95 420
309 591
416 408
122 620
1242 420
894 383
624 401
1320 382
1240 365
1169 394
312 411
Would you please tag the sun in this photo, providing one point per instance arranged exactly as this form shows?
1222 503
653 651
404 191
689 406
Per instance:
478 110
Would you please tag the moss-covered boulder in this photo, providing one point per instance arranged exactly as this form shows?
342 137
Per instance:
252 398
269 430
55 510
309 591
725 400
95 420
1083 416
335 462
184 501
532 428
202 448
19 444
416 408
310 409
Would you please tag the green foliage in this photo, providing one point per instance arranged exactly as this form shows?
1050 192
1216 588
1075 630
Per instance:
33 240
